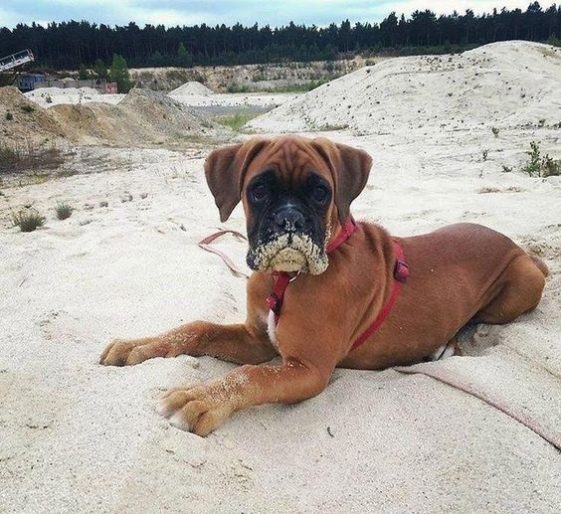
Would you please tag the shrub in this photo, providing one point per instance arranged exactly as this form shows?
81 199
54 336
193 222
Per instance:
27 108
28 155
550 167
538 166
495 131
63 210
9 116
236 121
28 219
237 88
532 167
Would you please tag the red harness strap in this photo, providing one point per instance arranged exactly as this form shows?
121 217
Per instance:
400 273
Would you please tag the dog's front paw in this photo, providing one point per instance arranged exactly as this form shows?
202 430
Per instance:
199 409
126 353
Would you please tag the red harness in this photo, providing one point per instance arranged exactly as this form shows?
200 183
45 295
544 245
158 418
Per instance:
400 274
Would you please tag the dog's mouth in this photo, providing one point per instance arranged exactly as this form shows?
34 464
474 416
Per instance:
289 253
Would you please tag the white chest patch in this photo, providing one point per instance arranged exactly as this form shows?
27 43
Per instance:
272 328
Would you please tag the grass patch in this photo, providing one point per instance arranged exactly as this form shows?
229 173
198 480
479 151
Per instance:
289 88
28 156
63 210
538 166
28 219
236 121
296 88
237 88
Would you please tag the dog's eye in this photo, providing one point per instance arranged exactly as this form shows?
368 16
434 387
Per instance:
320 194
259 192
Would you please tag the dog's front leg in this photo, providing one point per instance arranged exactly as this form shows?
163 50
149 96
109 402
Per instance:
242 344
202 408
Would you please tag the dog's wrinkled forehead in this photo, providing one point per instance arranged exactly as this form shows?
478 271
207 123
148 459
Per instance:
292 160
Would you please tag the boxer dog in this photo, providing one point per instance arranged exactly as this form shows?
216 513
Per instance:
327 291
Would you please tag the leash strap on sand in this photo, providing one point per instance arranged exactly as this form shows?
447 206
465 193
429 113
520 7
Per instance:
206 244
461 384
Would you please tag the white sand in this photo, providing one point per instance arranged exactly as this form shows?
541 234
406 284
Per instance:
502 84
71 95
79 437
263 100
191 88
190 96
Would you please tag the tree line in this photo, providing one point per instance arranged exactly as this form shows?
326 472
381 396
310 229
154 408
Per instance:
69 44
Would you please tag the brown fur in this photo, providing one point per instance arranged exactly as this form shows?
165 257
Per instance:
459 274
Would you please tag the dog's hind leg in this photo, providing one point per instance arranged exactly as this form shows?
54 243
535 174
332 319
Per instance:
523 283
241 344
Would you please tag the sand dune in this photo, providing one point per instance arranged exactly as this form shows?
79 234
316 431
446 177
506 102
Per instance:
501 84
143 116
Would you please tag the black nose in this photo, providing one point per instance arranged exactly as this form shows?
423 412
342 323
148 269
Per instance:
289 219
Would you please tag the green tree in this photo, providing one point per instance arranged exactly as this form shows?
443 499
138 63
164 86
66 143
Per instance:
83 72
119 72
184 58
100 69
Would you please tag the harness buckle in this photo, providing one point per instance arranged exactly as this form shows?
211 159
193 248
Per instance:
401 271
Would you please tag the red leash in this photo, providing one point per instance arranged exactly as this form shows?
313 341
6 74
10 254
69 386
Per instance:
205 244
400 274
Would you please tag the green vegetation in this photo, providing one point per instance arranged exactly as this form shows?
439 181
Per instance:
236 121
28 219
9 116
27 108
83 72
100 70
119 72
184 58
290 88
538 166
27 155
236 88
63 210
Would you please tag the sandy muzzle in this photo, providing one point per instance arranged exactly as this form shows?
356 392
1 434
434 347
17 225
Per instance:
290 253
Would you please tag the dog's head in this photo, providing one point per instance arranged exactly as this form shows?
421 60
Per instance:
295 193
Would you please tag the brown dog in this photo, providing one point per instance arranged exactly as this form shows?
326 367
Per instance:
296 195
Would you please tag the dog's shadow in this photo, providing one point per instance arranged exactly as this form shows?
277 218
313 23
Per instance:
475 339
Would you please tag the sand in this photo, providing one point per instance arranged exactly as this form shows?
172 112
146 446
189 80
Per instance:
191 88
76 436
143 116
495 85
23 121
49 96
238 100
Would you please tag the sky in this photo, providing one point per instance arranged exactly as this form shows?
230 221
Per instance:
247 12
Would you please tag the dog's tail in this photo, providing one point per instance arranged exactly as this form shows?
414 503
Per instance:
541 265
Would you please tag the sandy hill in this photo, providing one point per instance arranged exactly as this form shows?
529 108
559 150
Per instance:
51 96
192 88
22 120
494 84
142 116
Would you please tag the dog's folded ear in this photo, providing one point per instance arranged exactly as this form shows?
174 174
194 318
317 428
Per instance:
225 170
350 168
